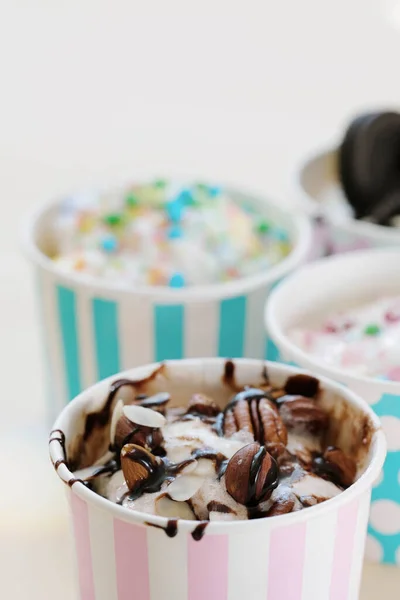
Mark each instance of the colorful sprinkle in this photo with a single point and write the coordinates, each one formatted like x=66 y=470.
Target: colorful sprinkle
x=113 y=219
x=175 y=210
x=132 y=200
x=175 y=232
x=109 y=243
x=263 y=226
x=372 y=329
x=177 y=280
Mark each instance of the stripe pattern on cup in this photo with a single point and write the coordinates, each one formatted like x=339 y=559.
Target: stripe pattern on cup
x=317 y=559
x=90 y=337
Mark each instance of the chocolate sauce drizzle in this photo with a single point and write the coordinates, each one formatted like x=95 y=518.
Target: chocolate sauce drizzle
x=248 y=394
x=215 y=506
x=60 y=439
x=100 y=419
x=158 y=472
x=229 y=373
x=171 y=529
x=59 y=462
x=270 y=483
x=199 y=531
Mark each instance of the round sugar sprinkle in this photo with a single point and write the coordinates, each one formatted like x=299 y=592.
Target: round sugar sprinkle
x=177 y=280
x=164 y=234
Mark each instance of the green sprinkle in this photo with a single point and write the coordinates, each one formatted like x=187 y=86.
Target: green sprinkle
x=113 y=219
x=263 y=226
x=160 y=183
x=132 y=200
x=372 y=329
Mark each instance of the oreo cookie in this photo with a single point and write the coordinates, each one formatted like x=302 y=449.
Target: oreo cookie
x=369 y=166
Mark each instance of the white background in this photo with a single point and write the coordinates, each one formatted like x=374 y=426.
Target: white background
x=91 y=90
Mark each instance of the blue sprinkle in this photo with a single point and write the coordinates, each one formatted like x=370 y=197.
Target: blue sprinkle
x=174 y=210
x=185 y=197
x=177 y=281
x=214 y=190
x=109 y=243
x=280 y=235
x=175 y=232
x=383 y=377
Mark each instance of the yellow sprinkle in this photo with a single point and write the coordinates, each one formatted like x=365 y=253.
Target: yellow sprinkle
x=79 y=264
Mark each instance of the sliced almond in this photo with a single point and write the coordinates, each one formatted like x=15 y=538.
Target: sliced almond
x=144 y=416
x=190 y=468
x=205 y=467
x=165 y=507
x=184 y=487
x=117 y=414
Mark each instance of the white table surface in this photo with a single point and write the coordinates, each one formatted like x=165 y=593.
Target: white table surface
x=95 y=90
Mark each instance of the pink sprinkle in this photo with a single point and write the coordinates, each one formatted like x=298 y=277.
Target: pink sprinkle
x=394 y=374
x=392 y=316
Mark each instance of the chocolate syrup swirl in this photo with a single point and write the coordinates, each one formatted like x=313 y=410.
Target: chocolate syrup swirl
x=270 y=483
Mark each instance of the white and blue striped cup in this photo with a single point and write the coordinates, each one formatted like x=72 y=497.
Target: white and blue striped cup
x=94 y=328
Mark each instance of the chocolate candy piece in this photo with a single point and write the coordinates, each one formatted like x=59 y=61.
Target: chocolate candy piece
x=369 y=166
x=251 y=475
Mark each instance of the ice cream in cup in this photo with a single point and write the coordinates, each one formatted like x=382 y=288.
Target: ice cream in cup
x=219 y=479
x=345 y=324
x=156 y=270
x=353 y=189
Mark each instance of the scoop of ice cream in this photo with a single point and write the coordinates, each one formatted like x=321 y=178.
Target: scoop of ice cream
x=364 y=341
x=163 y=234
x=262 y=456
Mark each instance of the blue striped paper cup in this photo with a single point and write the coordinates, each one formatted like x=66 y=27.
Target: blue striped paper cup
x=93 y=328
x=319 y=288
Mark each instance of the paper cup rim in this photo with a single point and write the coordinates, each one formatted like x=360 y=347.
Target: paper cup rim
x=303 y=358
x=240 y=286
x=372 y=231
x=363 y=484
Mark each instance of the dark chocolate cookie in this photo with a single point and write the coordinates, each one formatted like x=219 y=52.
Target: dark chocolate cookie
x=369 y=166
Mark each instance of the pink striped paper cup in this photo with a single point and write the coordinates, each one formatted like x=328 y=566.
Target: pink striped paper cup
x=314 y=554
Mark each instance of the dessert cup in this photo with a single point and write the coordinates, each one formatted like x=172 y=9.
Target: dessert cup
x=312 y=554
x=93 y=328
x=316 y=185
x=320 y=289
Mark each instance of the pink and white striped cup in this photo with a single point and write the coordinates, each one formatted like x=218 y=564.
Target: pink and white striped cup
x=314 y=554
